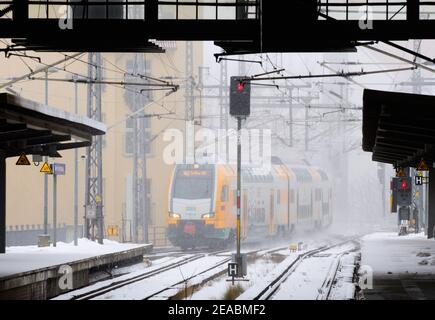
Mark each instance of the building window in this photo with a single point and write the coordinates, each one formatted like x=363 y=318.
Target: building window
x=224 y=194
x=292 y=196
x=129 y=136
x=318 y=195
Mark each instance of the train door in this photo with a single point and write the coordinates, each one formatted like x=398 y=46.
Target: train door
x=312 y=207
x=298 y=213
x=271 y=213
x=245 y=221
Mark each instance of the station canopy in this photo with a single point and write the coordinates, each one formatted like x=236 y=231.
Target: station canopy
x=34 y=128
x=398 y=128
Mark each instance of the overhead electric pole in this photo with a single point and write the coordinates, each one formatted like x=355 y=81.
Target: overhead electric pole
x=94 y=217
x=189 y=132
x=140 y=144
x=223 y=105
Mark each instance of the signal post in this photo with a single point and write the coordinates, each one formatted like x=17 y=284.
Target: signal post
x=240 y=96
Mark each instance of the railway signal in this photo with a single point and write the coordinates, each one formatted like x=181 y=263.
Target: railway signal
x=404 y=191
x=240 y=108
x=240 y=97
x=393 y=187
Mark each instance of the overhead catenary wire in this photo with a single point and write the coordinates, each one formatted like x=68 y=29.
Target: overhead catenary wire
x=339 y=74
x=120 y=82
x=39 y=70
x=391 y=55
x=138 y=111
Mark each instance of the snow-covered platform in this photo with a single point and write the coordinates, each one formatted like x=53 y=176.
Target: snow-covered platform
x=403 y=266
x=30 y=272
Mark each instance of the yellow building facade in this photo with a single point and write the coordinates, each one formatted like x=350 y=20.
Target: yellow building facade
x=25 y=184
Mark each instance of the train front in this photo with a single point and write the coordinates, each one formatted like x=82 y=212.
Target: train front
x=191 y=203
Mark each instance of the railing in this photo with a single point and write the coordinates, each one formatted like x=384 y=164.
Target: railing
x=377 y=9
x=209 y=9
x=132 y=9
x=157 y=236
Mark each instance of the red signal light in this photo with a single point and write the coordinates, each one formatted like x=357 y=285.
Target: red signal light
x=404 y=185
x=240 y=87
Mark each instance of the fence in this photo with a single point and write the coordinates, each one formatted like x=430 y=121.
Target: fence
x=25 y=235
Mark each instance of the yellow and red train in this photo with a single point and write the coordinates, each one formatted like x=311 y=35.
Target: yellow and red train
x=202 y=203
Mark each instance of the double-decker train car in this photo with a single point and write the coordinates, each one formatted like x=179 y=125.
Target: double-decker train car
x=203 y=199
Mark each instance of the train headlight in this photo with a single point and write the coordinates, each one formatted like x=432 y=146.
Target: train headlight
x=208 y=216
x=176 y=215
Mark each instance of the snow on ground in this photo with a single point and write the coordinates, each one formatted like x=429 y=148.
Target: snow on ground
x=215 y=290
x=139 y=270
x=387 y=253
x=306 y=281
x=263 y=270
x=147 y=287
x=27 y=258
x=344 y=288
x=262 y=280
x=146 y=264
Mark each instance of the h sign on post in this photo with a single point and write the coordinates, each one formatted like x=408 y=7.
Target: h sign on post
x=418 y=180
x=240 y=97
x=233 y=269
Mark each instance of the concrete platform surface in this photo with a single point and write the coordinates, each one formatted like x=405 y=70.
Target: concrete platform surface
x=38 y=273
x=403 y=266
x=28 y=258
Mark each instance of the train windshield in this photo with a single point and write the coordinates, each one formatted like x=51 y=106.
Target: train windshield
x=193 y=184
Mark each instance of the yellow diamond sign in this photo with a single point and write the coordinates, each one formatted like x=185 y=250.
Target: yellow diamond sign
x=22 y=160
x=422 y=166
x=46 y=168
x=401 y=173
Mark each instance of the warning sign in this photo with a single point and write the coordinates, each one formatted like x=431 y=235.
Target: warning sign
x=112 y=231
x=422 y=166
x=46 y=168
x=401 y=173
x=22 y=160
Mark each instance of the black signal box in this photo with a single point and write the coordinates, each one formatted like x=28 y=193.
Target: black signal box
x=404 y=191
x=240 y=97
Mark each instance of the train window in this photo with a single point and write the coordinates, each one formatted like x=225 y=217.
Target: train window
x=224 y=193
x=318 y=195
x=292 y=196
x=278 y=196
x=302 y=174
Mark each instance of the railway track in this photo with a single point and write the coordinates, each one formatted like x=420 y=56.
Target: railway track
x=87 y=295
x=194 y=256
x=330 y=280
x=200 y=279
x=272 y=287
x=206 y=271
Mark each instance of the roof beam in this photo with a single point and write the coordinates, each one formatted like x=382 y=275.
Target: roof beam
x=24 y=135
x=392 y=142
x=401 y=136
x=423 y=132
x=73 y=145
x=47 y=140
x=393 y=150
x=382 y=143
x=426 y=124
x=11 y=127
x=397 y=156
